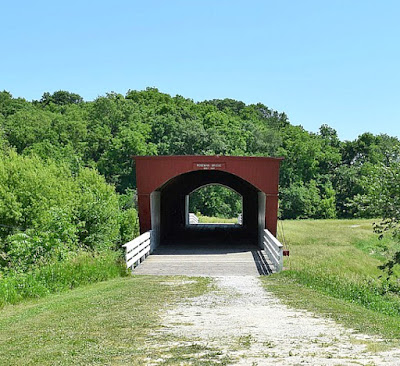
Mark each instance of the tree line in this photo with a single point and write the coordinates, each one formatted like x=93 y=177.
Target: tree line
x=321 y=176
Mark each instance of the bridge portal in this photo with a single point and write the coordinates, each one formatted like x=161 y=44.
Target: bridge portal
x=164 y=184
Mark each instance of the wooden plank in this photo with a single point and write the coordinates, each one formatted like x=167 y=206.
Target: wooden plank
x=274 y=250
x=138 y=249
x=193 y=219
x=137 y=257
x=135 y=242
x=135 y=253
x=272 y=238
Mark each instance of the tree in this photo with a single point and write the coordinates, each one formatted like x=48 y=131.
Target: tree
x=10 y=105
x=382 y=196
x=216 y=200
x=47 y=211
x=60 y=98
x=362 y=158
x=104 y=133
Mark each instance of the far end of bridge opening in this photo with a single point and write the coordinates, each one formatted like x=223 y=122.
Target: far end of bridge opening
x=213 y=206
x=169 y=188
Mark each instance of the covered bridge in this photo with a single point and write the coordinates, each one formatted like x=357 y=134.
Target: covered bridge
x=164 y=184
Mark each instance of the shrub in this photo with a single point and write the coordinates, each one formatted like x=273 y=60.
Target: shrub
x=46 y=211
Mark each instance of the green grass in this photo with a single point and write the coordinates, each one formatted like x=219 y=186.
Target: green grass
x=79 y=269
x=112 y=322
x=332 y=270
x=216 y=220
x=350 y=314
x=333 y=265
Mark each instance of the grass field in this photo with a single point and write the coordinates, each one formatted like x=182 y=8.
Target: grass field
x=100 y=324
x=332 y=269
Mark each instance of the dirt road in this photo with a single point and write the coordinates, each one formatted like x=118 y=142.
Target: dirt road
x=253 y=327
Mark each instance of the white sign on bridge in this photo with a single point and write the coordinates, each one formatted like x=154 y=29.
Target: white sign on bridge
x=209 y=166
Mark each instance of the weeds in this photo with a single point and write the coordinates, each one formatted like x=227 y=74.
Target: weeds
x=78 y=269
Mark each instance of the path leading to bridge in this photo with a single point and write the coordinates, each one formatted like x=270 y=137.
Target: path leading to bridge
x=253 y=327
x=206 y=257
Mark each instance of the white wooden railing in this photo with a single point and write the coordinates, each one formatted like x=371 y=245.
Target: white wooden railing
x=274 y=250
x=137 y=250
x=193 y=219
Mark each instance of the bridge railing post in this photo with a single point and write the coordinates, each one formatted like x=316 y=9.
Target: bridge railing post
x=193 y=219
x=137 y=250
x=274 y=250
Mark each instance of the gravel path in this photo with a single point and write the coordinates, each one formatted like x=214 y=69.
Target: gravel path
x=252 y=327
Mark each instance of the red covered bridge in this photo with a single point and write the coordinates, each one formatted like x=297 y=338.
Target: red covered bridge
x=164 y=184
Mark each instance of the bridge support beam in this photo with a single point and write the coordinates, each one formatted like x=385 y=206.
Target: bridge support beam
x=261 y=217
x=155 y=204
x=144 y=209
x=187 y=200
x=271 y=213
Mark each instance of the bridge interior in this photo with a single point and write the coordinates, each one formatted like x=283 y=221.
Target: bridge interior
x=173 y=213
x=205 y=249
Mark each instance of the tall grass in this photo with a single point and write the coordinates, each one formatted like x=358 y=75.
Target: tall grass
x=340 y=258
x=79 y=269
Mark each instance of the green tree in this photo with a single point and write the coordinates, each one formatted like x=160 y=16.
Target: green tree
x=10 y=105
x=382 y=197
x=216 y=201
x=47 y=211
x=60 y=97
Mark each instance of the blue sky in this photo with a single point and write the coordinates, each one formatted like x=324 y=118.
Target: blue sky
x=334 y=62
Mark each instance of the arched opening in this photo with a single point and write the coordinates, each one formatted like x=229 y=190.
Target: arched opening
x=169 y=208
x=215 y=203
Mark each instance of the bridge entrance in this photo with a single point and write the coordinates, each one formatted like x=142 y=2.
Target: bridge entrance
x=164 y=184
x=174 y=202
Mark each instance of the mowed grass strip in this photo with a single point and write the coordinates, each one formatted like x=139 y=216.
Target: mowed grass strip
x=216 y=220
x=333 y=270
x=100 y=324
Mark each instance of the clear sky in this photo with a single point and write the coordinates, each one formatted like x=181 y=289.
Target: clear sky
x=319 y=61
